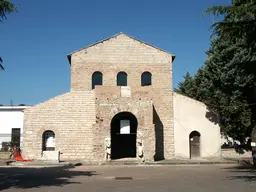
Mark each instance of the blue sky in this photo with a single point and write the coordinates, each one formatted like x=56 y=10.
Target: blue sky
x=36 y=40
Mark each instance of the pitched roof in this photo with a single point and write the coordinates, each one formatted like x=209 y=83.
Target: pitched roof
x=69 y=55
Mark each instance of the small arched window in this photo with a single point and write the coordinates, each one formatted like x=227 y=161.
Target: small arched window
x=121 y=79
x=48 y=141
x=146 y=79
x=97 y=79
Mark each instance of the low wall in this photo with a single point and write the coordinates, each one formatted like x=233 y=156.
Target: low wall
x=5 y=155
x=231 y=153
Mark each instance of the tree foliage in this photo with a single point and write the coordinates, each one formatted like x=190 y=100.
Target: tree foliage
x=185 y=87
x=6 y=8
x=227 y=80
x=240 y=20
x=1 y=66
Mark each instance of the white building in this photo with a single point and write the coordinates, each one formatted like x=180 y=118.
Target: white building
x=11 y=124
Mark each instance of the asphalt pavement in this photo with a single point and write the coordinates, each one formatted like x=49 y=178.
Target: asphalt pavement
x=199 y=178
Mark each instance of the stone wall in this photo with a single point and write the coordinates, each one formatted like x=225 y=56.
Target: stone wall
x=120 y=53
x=108 y=107
x=74 y=116
x=123 y=53
x=70 y=116
x=5 y=155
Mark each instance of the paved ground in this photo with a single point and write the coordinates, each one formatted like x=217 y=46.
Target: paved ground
x=199 y=178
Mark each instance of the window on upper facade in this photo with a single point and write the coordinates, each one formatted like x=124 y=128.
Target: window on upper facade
x=121 y=79
x=146 y=79
x=97 y=79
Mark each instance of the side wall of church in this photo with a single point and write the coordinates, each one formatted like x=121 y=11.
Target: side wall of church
x=191 y=115
x=70 y=116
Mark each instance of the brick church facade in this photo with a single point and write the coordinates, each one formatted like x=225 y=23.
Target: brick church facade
x=121 y=92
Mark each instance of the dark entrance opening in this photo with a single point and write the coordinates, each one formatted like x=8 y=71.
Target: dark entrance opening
x=16 y=137
x=194 y=144
x=123 y=135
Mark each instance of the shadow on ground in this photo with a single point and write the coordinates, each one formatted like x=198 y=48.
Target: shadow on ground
x=26 y=177
x=244 y=172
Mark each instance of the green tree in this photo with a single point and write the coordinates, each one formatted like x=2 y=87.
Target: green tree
x=6 y=8
x=239 y=25
x=226 y=93
x=226 y=82
x=240 y=20
x=185 y=87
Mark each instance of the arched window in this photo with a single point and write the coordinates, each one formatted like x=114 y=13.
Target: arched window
x=146 y=79
x=97 y=79
x=48 y=141
x=121 y=79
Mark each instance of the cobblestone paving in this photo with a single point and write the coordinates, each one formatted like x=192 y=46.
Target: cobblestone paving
x=199 y=178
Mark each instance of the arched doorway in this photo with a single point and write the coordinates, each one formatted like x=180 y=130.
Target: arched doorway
x=48 y=143
x=123 y=135
x=194 y=144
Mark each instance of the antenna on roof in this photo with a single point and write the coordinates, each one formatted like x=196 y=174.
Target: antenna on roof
x=11 y=103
